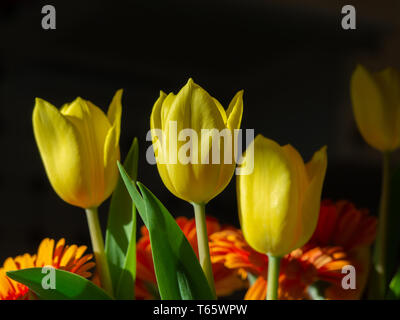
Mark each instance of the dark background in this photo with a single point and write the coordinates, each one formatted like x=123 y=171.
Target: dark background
x=292 y=58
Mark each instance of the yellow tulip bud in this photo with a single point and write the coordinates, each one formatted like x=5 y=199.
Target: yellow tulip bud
x=79 y=146
x=376 y=106
x=279 y=202
x=200 y=176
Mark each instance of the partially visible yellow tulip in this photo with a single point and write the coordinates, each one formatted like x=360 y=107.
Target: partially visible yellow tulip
x=376 y=106
x=279 y=202
x=79 y=146
x=193 y=108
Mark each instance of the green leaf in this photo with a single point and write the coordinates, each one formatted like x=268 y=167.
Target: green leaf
x=134 y=193
x=394 y=287
x=184 y=286
x=120 y=244
x=173 y=256
x=252 y=278
x=68 y=286
x=178 y=272
x=393 y=236
x=317 y=290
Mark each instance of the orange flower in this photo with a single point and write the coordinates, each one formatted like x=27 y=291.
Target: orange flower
x=60 y=256
x=226 y=280
x=342 y=237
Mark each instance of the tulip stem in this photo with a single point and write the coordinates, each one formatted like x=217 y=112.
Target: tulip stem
x=381 y=239
x=202 y=243
x=274 y=264
x=98 y=249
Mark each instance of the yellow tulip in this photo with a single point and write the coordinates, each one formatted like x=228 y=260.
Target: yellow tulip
x=376 y=106
x=193 y=108
x=279 y=202
x=79 y=146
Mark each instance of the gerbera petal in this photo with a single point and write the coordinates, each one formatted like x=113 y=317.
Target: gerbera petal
x=68 y=256
x=45 y=253
x=58 y=251
x=258 y=291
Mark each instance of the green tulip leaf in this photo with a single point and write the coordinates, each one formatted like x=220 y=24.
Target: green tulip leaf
x=67 y=285
x=184 y=286
x=120 y=244
x=316 y=291
x=394 y=287
x=393 y=236
x=178 y=271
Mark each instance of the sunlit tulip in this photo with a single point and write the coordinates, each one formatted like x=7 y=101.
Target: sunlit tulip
x=79 y=146
x=376 y=106
x=279 y=202
x=182 y=152
x=194 y=145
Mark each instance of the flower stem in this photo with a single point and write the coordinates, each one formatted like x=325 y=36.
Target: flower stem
x=274 y=264
x=98 y=249
x=202 y=243
x=381 y=239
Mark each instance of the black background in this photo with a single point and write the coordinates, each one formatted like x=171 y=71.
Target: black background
x=293 y=60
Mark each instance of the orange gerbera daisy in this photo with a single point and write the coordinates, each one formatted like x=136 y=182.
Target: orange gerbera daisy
x=342 y=237
x=60 y=256
x=226 y=280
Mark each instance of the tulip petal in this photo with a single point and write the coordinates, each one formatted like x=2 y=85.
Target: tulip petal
x=114 y=113
x=221 y=110
x=316 y=170
x=297 y=163
x=165 y=109
x=388 y=81
x=160 y=110
x=316 y=167
x=111 y=156
x=300 y=183
x=92 y=127
x=156 y=122
x=91 y=122
x=57 y=140
x=155 y=117
x=194 y=108
x=235 y=111
x=111 y=145
x=264 y=197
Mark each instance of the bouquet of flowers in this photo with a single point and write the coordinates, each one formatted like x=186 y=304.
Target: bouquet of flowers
x=291 y=245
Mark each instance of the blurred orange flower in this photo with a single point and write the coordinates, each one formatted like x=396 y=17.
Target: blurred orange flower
x=61 y=256
x=342 y=237
x=226 y=280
